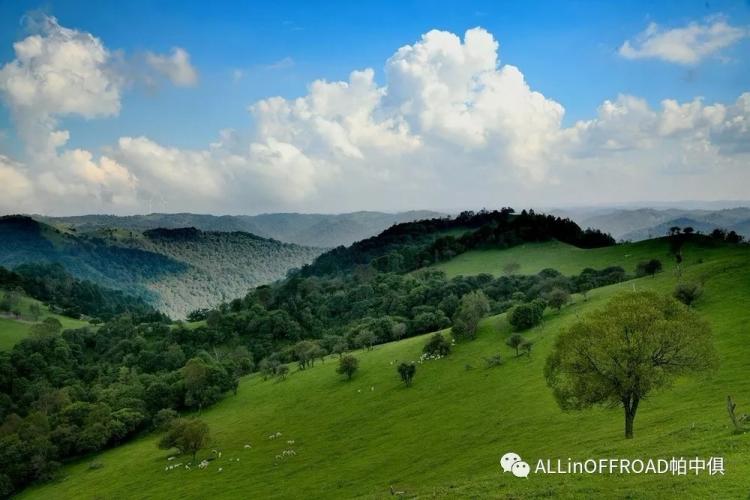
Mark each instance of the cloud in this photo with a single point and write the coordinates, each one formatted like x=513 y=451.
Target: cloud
x=284 y=63
x=176 y=67
x=686 y=45
x=449 y=126
x=57 y=72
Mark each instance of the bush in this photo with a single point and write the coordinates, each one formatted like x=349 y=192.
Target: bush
x=406 y=371
x=471 y=309
x=187 y=435
x=557 y=298
x=648 y=267
x=514 y=342
x=525 y=316
x=493 y=361
x=687 y=293
x=348 y=365
x=437 y=346
x=164 y=418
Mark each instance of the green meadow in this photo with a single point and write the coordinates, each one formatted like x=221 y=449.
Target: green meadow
x=443 y=437
x=12 y=329
x=568 y=259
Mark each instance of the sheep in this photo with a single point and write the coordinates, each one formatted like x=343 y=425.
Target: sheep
x=247 y=446
x=291 y=441
x=279 y=457
x=171 y=458
x=221 y=469
x=397 y=493
x=372 y=388
x=278 y=434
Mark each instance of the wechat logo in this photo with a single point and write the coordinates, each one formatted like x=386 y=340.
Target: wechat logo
x=511 y=462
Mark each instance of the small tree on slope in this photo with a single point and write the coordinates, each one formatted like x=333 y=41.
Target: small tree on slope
x=638 y=343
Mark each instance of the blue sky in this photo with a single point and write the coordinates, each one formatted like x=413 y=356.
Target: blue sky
x=248 y=51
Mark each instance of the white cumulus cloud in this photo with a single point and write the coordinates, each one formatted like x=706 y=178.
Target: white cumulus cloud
x=449 y=125
x=175 y=66
x=685 y=45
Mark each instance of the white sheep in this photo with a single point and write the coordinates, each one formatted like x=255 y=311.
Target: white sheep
x=247 y=446
x=291 y=441
x=171 y=458
x=221 y=469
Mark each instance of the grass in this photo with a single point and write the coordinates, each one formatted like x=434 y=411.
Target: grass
x=12 y=330
x=443 y=437
x=569 y=260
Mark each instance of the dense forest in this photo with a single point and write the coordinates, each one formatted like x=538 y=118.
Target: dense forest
x=173 y=270
x=52 y=285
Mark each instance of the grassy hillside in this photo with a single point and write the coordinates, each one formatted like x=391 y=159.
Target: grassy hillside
x=12 y=329
x=443 y=436
x=533 y=257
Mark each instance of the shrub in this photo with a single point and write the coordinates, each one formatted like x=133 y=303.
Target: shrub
x=471 y=309
x=648 y=267
x=514 y=342
x=493 y=361
x=406 y=371
x=437 y=346
x=187 y=435
x=525 y=316
x=164 y=418
x=348 y=365
x=557 y=298
x=687 y=293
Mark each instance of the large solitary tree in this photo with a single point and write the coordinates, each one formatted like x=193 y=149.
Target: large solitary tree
x=618 y=355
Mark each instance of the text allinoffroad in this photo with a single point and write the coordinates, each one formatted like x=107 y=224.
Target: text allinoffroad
x=676 y=466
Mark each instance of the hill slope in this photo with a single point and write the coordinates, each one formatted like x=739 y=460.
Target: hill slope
x=317 y=230
x=175 y=270
x=443 y=437
x=14 y=328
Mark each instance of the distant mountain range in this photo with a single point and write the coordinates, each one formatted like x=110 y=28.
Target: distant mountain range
x=176 y=270
x=645 y=223
x=313 y=230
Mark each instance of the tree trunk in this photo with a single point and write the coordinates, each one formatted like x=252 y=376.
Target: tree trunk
x=630 y=405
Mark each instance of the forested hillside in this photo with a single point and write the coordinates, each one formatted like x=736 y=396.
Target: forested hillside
x=175 y=270
x=317 y=230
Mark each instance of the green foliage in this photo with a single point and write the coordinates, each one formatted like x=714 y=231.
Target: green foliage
x=348 y=366
x=438 y=345
x=687 y=293
x=407 y=371
x=514 y=342
x=472 y=308
x=557 y=297
x=618 y=355
x=525 y=316
x=648 y=267
x=189 y=436
x=50 y=327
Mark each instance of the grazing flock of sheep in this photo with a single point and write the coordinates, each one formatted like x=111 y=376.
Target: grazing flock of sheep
x=217 y=454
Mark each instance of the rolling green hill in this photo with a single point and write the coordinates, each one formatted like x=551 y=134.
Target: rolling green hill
x=13 y=329
x=176 y=270
x=533 y=257
x=443 y=436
